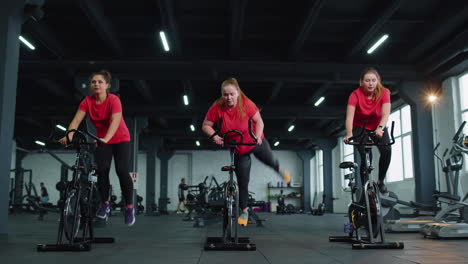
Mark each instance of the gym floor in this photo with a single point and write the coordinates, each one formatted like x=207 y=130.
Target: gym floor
x=168 y=239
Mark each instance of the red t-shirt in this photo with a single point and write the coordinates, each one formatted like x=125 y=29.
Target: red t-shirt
x=367 y=109
x=100 y=115
x=232 y=121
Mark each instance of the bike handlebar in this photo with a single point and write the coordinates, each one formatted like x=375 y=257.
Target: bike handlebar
x=455 y=138
x=233 y=143
x=83 y=133
x=367 y=140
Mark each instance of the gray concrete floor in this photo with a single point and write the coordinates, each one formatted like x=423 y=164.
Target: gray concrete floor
x=168 y=239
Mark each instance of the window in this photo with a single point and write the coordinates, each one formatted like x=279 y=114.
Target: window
x=319 y=160
x=347 y=155
x=401 y=166
x=463 y=92
x=463 y=103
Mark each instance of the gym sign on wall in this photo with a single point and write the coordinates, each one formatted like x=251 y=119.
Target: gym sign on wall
x=134 y=176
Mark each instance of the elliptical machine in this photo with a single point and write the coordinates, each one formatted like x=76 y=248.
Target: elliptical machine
x=365 y=228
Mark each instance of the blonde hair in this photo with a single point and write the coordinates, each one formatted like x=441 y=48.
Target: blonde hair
x=240 y=100
x=380 y=88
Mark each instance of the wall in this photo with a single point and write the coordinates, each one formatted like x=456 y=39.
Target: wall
x=341 y=197
x=446 y=119
x=46 y=169
x=196 y=165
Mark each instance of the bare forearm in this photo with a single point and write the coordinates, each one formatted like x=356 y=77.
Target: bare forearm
x=112 y=128
x=349 y=126
x=385 y=114
x=259 y=129
x=208 y=130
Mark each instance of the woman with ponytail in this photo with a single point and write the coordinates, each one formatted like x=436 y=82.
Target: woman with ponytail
x=236 y=109
x=371 y=103
x=105 y=112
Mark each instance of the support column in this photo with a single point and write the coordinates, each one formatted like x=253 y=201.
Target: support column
x=306 y=156
x=11 y=16
x=327 y=146
x=135 y=126
x=421 y=121
x=164 y=156
x=152 y=146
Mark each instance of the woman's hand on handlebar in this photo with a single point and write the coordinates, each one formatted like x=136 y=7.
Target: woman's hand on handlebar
x=347 y=137
x=103 y=140
x=63 y=141
x=379 y=132
x=218 y=140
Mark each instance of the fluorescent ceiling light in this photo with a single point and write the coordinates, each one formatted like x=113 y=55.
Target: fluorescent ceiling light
x=27 y=43
x=377 y=44
x=291 y=128
x=61 y=127
x=164 y=40
x=192 y=127
x=276 y=143
x=319 y=101
x=185 y=99
x=39 y=143
x=197 y=143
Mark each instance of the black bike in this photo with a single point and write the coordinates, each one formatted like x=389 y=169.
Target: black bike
x=365 y=209
x=78 y=207
x=230 y=239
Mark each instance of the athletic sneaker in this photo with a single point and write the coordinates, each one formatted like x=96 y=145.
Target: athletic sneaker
x=129 y=216
x=103 y=211
x=243 y=218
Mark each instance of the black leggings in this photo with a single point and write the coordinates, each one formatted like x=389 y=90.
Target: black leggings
x=121 y=152
x=243 y=162
x=385 y=155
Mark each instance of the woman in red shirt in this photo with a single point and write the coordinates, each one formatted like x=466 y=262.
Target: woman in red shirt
x=371 y=103
x=105 y=112
x=237 y=109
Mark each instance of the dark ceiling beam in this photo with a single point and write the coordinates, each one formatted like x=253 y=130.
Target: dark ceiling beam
x=94 y=11
x=304 y=33
x=169 y=24
x=438 y=31
x=238 y=8
x=32 y=121
x=319 y=92
x=40 y=31
x=335 y=126
x=210 y=146
x=144 y=89
x=452 y=54
x=274 y=92
x=58 y=90
x=279 y=134
x=175 y=112
x=374 y=27
x=219 y=70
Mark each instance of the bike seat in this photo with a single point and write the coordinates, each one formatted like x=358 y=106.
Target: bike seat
x=348 y=165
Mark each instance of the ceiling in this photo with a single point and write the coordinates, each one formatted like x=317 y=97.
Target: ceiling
x=285 y=56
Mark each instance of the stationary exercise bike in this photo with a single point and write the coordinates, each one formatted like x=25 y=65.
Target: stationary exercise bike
x=365 y=228
x=77 y=211
x=230 y=240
